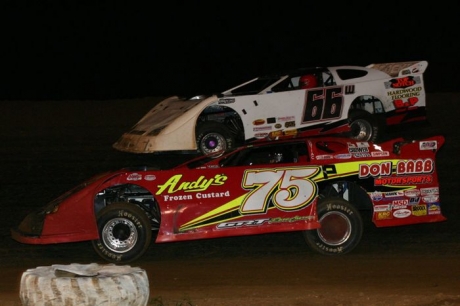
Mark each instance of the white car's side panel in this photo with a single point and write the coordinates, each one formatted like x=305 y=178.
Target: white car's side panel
x=256 y=110
x=276 y=105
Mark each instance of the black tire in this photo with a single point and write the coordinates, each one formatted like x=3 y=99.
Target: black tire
x=214 y=139
x=364 y=126
x=125 y=233
x=341 y=227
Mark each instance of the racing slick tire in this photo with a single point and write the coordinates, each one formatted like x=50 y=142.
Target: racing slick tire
x=125 y=233
x=341 y=227
x=213 y=139
x=364 y=126
x=78 y=284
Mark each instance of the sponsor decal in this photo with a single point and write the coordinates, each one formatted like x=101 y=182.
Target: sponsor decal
x=381 y=215
x=325 y=156
x=271 y=120
x=289 y=124
x=278 y=125
x=358 y=150
x=398 y=206
x=402 y=167
x=260 y=135
x=405 y=180
x=402 y=213
x=394 y=194
x=226 y=101
x=431 y=198
x=150 y=177
x=404 y=93
x=414 y=200
x=376 y=169
x=276 y=134
x=419 y=210
x=428 y=145
x=290 y=132
x=258 y=122
x=399 y=103
x=412 y=193
x=415 y=166
x=385 y=207
x=428 y=191
x=280 y=133
x=360 y=155
x=198 y=195
x=376 y=196
x=257 y=222
x=380 y=153
x=400 y=202
x=343 y=156
x=358 y=144
x=434 y=209
x=262 y=128
x=404 y=82
x=286 y=118
x=234 y=224
x=292 y=219
x=134 y=177
x=362 y=144
x=175 y=184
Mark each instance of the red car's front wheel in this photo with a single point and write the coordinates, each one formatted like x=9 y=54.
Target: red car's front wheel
x=125 y=233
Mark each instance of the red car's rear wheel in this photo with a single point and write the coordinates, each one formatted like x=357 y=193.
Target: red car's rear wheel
x=341 y=227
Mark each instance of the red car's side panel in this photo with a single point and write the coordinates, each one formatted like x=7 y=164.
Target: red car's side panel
x=233 y=201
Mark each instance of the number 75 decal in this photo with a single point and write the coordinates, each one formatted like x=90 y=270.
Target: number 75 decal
x=288 y=189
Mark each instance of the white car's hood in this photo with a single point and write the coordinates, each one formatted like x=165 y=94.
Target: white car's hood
x=159 y=129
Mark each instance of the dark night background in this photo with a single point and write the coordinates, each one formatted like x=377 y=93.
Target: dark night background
x=56 y=50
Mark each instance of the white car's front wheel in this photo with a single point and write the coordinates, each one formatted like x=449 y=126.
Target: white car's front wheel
x=214 y=139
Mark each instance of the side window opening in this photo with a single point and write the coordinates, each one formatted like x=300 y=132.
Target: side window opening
x=331 y=146
x=347 y=74
x=328 y=79
x=270 y=154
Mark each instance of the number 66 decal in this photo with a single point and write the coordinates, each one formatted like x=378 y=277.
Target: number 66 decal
x=289 y=188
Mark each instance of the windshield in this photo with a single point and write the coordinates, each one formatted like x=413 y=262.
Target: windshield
x=253 y=87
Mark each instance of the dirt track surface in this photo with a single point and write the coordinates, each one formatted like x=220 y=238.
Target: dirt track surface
x=48 y=147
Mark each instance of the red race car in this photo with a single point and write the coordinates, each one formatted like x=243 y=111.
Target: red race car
x=322 y=186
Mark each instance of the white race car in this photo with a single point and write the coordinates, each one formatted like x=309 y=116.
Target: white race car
x=353 y=101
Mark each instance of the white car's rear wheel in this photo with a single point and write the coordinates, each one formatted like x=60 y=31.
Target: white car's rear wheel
x=364 y=127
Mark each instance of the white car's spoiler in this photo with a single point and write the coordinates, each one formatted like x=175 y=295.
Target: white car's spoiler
x=401 y=68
